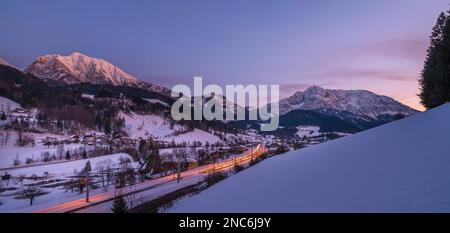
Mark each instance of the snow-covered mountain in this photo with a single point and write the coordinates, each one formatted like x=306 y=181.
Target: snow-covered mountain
x=357 y=102
x=398 y=167
x=228 y=106
x=3 y=62
x=79 y=68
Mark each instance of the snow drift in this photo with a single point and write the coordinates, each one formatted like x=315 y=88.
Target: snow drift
x=403 y=166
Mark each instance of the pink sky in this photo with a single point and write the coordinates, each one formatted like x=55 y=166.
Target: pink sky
x=347 y=44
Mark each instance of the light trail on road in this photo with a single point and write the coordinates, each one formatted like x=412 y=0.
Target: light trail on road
x=96 y=199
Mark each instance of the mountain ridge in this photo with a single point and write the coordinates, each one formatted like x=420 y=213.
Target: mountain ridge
x=362 y=108
x=358 y=102
x=79 y=68
x=3 y=62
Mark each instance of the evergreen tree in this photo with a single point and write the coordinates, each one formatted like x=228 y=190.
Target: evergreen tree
x=87 y=167
x=119 y=205
x=435 y=76
x=107 y=128
x=149 y=156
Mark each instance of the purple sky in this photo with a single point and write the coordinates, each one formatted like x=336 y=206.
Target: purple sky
x=346 y=44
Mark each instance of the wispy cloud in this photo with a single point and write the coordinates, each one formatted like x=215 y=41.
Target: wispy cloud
x=364 y=74
x=411 y=47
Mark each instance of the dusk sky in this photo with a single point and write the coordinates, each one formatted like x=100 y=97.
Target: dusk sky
x=347 y=44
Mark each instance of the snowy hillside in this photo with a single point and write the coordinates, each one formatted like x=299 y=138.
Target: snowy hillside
x=7 y=107
x=308 y=131
x=358 y=102
x=144 y=126
x=3 y=62
x=67 y=168
x=77 y=68
x=402 y=166
x=9 y=151
x=7 y=104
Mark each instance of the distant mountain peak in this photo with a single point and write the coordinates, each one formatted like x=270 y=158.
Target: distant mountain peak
x=358 y=102
x=315 y=90
x=3 y=62
x=80 y=68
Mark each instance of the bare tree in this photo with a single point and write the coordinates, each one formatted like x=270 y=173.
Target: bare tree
x=193 y=152
x=83 y=178
x=81 y=183
x=166 y=163
x=181 y=156
x=149 y=158
x=6 y=177
x=16 y=161
x=131 y=198
x=109 y=175
x=124 y=175
x=30 y=192
x=60 y=151
x=86 y=178
x=104 y=168
x=71 y=185
x=19 y=136
x=21 y=178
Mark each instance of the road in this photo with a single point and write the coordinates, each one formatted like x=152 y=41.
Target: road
x=157 y=186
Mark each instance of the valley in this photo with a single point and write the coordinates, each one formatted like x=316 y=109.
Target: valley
x=78 y=133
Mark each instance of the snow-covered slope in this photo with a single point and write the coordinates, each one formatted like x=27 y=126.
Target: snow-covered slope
x=77 y=68
x=3 y=62
x=7 y=104
x=195 y=135
x=9 y=151
x=403 y=166
x=143 y=126
x=67 y=168
x=157 y=127
x=358 y=102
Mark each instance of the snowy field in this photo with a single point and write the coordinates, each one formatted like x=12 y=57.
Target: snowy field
x=143 y=126
x=88 y=96
x=157 y=101
x=9 y=151
x=55 y=195
x=196 y=135
x=66 y=168
x=6 y=103
x=11 y=205
x=403 y=166
x=308 y=131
